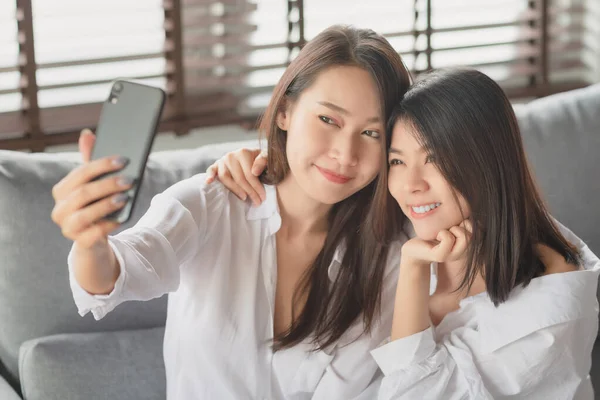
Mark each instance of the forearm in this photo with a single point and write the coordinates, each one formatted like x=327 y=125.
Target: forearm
x=411 y=308
x=96 y=269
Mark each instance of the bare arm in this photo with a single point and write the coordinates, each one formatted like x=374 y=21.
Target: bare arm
x=411 y=311
x=96 y=268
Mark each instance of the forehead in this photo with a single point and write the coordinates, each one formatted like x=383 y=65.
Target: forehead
x=349 y=87
x=404 y=137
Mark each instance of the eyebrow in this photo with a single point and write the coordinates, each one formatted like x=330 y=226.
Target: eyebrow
x=343 y=111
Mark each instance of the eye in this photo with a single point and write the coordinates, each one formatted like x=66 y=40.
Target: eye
x=327 y=120
x=430 y=159
x=396 y=161
x=373 y=134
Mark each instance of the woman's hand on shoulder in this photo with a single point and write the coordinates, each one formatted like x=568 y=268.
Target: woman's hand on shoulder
x=238 y=171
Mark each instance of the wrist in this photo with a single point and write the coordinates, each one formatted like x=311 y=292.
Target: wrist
x=415 y=275
x=409 y=263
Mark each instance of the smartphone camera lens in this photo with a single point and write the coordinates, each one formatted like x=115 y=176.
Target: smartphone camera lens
x=118 y=88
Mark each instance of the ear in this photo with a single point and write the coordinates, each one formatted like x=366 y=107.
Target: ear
x=283 y=116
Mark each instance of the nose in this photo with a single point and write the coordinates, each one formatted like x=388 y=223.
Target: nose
x=414 y=180
x=344 y=150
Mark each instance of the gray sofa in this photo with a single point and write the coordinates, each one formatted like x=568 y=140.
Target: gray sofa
x=47 y=351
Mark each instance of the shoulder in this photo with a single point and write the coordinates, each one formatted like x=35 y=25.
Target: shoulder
x=548 y=301
x=198 y=197
x=553 y=261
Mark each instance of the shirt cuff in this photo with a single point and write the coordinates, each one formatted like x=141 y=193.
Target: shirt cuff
x=98 y=304
x=402 y=353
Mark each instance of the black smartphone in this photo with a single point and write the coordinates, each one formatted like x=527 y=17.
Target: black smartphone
x=127 y=126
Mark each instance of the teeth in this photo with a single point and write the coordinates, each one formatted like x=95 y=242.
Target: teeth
x=426 y=208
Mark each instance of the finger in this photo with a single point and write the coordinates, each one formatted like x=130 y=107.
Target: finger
x=238 y=175
x=444 y=247
x=246 y=164
x=89 y=193
x=227 y=181
x=83 y=219
x=468 y=225
x=86 y=144
x=460 y=244
x=211 y=173
x=86 y=173
x=260 y=164
x=96 y=232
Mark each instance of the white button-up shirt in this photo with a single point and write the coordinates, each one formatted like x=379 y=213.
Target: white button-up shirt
x=536 y=345
x=216 y=257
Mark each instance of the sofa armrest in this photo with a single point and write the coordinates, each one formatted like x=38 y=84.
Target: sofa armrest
x=6 y=391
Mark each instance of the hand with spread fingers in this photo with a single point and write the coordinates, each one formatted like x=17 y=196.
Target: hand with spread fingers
x=238 y=171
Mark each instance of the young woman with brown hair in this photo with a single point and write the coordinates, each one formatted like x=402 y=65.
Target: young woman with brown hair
x=265 y=302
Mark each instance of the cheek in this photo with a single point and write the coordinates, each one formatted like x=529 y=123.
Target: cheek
x=306 y=139
x=371 y=158
x=464 y=206
x=394 y=185
x=458 y=210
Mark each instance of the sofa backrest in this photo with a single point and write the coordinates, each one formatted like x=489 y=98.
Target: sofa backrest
x=561 y=134
x=35 y=298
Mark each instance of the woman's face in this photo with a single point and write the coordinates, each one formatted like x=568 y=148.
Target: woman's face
x=334 y=130
x=420 y=189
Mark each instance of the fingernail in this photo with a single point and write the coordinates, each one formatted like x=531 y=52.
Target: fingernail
x=120 y=198
x=86 y=132
x=120 y=161
x=125 y=181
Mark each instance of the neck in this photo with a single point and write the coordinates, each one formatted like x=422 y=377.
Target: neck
x=300 y=215
x=451 y=274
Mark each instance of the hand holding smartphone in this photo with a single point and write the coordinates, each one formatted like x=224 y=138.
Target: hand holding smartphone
x=126 y=128
x=97 y=196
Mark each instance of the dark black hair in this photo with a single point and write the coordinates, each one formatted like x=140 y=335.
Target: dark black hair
x=466 y=121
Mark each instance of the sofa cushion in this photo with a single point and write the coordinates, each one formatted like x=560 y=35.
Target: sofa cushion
x=7 y=392
x=561 y=134
x=105 y=365
x=35 y=298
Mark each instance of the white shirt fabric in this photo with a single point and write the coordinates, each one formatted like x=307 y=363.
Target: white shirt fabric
x=216 y=257
x=536 y=345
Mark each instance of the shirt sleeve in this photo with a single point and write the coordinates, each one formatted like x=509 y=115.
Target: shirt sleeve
x=543 y=364
x=152 y=253
x=352 y=373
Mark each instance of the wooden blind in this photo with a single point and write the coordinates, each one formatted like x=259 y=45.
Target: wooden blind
x=532 y=48
x=218 y=60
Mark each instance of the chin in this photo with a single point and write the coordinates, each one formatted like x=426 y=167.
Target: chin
x=328 y=193
x=426 y=233
x=327 y=198
x=429 y=236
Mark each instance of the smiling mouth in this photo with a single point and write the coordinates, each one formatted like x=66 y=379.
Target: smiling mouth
x=332 y=176
x=424 y=210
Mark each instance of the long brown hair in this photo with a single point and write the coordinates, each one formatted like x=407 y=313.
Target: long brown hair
x=331 y=308
x=465 y=120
